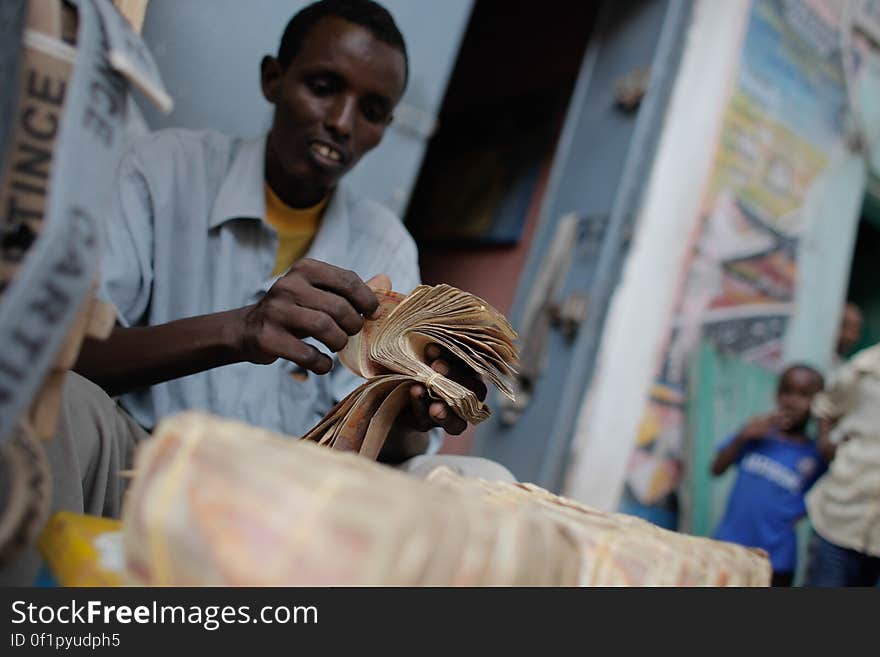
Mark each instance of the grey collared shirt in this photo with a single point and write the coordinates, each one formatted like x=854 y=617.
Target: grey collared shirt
x=188 y=237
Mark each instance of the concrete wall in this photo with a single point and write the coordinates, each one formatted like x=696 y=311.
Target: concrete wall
x=637 y=324
x=744 y=240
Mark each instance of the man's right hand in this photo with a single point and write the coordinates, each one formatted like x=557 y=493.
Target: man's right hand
x=313 y=299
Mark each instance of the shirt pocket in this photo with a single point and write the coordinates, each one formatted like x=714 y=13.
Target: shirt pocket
x=300 y=399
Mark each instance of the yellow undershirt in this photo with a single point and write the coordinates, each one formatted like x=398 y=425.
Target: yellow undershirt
x=296 y=228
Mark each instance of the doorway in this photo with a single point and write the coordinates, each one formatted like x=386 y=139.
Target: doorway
x=863 y=289
x=475 y=202
x=477 y=199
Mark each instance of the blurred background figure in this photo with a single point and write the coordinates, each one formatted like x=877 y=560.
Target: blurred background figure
x=844 y=506
x=777 y=463
x=851 y=322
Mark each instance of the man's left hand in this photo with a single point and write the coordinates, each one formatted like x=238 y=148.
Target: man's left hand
x=424 y=412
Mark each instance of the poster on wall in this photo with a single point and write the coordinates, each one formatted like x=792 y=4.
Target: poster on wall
x=740 y=282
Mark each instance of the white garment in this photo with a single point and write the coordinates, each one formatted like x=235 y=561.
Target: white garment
x=844 y=506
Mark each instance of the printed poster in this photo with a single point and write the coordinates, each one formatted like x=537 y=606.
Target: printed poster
x=741 y=280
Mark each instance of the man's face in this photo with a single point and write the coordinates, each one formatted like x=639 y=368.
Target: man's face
x=332 y=104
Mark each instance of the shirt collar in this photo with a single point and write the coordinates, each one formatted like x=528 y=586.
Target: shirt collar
x=332 y=241
x=241 y=194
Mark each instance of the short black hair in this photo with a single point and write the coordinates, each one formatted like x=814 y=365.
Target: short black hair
x=365 y=13
x=804 y=367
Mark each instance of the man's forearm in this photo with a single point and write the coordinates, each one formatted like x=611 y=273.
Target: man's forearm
x=134 y=358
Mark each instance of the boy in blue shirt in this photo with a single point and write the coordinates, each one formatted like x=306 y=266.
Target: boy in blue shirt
x=777 y=462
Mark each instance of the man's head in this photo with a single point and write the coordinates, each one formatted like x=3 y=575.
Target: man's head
x=798 y=384
x=341 y=69
x=850 y=329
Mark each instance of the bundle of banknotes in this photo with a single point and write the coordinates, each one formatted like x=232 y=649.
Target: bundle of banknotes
x=219 y=502
x=389 y=353
x=622 y=550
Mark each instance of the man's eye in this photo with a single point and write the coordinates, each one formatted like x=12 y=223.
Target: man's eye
x=374 y=112
x=320 y=86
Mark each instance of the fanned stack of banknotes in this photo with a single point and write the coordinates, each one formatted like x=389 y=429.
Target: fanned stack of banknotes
x=389 y=353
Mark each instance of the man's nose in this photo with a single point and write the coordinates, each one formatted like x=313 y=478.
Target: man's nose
x=340 y=118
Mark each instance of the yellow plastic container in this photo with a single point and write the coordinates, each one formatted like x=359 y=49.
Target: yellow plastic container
x=82 y=550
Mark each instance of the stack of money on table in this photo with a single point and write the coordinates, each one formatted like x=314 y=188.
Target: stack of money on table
x=218 y=502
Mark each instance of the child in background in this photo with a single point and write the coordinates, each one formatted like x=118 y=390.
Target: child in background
x=778 y=462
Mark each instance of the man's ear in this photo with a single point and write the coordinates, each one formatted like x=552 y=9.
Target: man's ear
x=270 y=78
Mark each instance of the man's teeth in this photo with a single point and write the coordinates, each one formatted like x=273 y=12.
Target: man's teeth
x=329 y=153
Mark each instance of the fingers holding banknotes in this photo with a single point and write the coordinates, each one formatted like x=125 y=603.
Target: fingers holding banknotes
x=312 y=300
x=425 y=412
